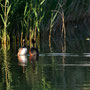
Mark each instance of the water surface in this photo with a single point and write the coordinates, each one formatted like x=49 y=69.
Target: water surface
x=53 y=71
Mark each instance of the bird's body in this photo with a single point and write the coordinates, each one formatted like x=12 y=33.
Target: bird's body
x=23 y=49
x=33 y=52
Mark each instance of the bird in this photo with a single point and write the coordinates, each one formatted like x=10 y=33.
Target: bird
x=23 y=49
x=33 y=52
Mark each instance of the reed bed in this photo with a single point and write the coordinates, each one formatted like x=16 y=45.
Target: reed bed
x=24 y=19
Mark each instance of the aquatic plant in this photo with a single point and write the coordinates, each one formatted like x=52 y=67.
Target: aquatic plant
x=59 y=12
x=28 y=16
x=76 y=10
x=4 y=16
x=31 y=20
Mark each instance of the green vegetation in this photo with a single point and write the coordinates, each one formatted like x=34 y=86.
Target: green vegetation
x=27 y=18
x=4 y=16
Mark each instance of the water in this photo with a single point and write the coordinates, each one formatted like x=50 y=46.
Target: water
x=53 y=71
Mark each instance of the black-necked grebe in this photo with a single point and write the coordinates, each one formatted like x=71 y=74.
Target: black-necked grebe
x=33 y=52
x=23 y=49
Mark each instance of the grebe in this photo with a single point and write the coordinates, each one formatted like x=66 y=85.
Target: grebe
x=33 y=52
x=23 y=49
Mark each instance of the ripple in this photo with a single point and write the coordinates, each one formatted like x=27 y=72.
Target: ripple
x=59 y=54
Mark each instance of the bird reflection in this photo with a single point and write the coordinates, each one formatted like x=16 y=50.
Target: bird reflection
x=33 y=60
x=22 y=61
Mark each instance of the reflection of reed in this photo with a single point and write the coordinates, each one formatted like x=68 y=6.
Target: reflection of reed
x=6 y=70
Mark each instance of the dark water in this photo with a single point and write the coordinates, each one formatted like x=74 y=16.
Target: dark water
x=53 y=71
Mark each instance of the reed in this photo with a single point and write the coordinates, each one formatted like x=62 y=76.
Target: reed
x=51 y=27
x=76 y=10
x=31 y=20
x=4 y=16
x=27 y=15
x=54 y=19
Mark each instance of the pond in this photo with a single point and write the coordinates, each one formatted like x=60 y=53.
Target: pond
x=52 y=71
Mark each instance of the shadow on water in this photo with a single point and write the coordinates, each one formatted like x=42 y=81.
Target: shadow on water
x=56 y=69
